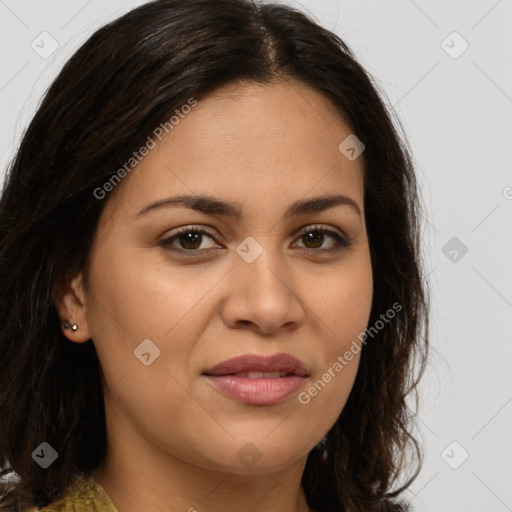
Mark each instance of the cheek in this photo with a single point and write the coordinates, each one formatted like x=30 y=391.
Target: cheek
x=140 y=294
x=343 y=303
x=142 y=298
x=342 y=310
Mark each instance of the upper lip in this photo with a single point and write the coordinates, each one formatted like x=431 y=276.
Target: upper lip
x=257 y=363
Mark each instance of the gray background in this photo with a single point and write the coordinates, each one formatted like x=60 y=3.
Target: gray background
x=457 y=113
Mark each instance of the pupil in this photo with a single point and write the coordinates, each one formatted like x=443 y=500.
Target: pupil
x=190 y=238
x=315 y=238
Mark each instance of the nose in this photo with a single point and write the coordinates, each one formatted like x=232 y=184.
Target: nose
x=264 y=295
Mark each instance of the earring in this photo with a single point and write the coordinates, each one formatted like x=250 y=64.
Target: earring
x=74 y=327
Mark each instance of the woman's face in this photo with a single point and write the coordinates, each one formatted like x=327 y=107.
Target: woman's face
x=266 y=282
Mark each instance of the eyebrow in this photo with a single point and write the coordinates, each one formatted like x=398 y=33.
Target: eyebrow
x=213 y=206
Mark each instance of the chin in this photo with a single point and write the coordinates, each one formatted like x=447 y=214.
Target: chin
x=260 y=457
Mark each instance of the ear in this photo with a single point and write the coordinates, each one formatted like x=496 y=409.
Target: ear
x=70 y=302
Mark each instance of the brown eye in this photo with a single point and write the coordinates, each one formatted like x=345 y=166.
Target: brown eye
x=314 y=238
x=188 y=240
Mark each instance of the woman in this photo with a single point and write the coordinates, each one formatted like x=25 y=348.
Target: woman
x=211 y=288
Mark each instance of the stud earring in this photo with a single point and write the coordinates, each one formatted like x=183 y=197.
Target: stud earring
x=74 y=327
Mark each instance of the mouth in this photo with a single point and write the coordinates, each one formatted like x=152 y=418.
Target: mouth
x=258 y=380
x=259 y=375
x=257 y=367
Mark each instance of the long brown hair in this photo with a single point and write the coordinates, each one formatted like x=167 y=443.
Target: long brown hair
x=128 y=78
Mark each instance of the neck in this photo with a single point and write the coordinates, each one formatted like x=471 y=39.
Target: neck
x=142 y=483
x=138 y=475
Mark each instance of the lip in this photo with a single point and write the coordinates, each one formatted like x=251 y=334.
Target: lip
x=255 y=363
x=258 y=390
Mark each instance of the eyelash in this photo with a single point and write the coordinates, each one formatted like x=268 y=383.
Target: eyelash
x=342 y=243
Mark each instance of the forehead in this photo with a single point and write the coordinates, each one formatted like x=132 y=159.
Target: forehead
x=249 y=143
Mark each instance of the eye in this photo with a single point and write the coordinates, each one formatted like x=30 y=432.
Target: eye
x=190 y=239
x=315 y=235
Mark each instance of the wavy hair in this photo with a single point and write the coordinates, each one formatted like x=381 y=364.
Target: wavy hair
x=125 y=80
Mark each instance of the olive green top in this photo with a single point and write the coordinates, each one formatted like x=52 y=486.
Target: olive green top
x=83 y=495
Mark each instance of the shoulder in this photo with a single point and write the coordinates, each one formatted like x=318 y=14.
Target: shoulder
x=83 y=495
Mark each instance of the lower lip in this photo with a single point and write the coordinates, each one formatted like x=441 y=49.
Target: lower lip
x=257 y=391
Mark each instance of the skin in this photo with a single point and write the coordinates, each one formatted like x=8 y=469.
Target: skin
x=172 y=437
